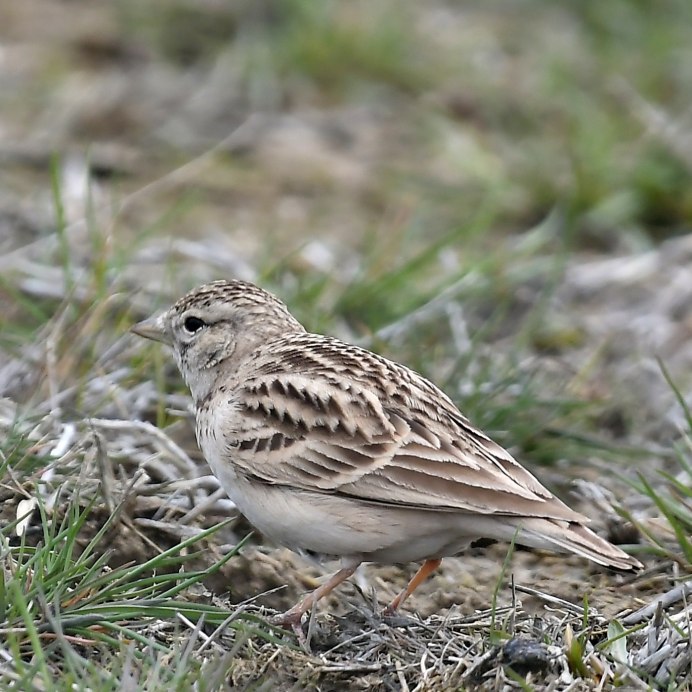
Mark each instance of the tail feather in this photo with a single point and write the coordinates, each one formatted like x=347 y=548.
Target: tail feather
x=574 y=538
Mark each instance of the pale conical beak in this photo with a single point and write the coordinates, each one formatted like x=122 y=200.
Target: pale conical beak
x=153 y=328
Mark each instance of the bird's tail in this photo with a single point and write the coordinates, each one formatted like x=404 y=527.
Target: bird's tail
x=573 y=537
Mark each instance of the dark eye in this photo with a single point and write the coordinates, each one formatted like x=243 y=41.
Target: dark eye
x=193 y=324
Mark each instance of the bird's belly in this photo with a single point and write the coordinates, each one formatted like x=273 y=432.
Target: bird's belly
x=334 y=525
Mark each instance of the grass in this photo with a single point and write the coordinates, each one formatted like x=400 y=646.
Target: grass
x=62 y=607
x=463 y=164
x=671 y=491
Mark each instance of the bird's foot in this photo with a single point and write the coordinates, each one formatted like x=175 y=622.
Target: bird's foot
x=292 y=620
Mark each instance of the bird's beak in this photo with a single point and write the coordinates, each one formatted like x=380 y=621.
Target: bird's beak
x=153 y=328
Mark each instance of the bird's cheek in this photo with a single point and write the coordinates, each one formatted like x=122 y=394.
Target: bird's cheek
x=181 y=357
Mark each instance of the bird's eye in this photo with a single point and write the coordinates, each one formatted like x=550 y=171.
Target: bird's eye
x=193 y=324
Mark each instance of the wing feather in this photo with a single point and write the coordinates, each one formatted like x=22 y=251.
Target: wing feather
x=352 y=423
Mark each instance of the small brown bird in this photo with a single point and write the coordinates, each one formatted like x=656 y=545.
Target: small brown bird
x=330 y=448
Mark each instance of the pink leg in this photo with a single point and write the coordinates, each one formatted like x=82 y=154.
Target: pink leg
x=292 y=618
x=426 y=569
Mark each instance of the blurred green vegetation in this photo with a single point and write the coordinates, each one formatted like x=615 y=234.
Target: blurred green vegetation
x=580 y=105
x=454 y=149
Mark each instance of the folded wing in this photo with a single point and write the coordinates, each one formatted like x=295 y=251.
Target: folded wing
x=356 y=424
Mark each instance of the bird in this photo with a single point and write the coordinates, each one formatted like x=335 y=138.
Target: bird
x=329 y=448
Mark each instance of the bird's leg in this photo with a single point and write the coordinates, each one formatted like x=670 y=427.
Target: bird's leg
x=426 y=569
x=292 y=618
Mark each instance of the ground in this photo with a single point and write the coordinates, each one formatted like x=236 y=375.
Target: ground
x=498 y=195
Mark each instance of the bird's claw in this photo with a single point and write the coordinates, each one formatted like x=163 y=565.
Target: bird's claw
x=291 y=621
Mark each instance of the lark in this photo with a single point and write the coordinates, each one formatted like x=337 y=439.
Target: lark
x=329 y=448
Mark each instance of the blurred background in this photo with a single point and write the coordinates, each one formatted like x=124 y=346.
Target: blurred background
x=497 y=194
x=436 y=178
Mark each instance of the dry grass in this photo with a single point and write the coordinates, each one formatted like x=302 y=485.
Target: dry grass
x=497 y=198
x=140 y=503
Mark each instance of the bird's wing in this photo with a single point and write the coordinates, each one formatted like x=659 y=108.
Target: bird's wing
x=358 y=425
